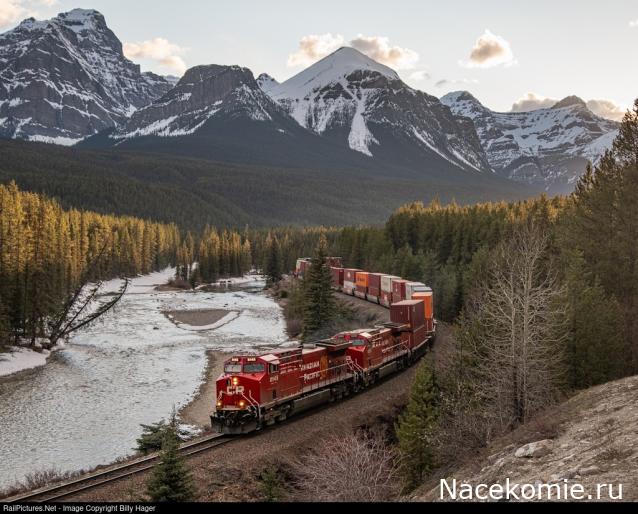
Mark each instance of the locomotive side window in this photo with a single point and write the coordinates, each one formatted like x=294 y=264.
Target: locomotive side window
x=232 y=368
x=273 y=368
x=358 y=342
x=255 y=367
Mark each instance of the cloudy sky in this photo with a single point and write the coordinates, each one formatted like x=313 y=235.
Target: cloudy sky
x=510 y=55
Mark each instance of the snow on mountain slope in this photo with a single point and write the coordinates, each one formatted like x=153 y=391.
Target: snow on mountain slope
x=203 y=93
x=352 y=98
x=266 y=82
x=66 y=78
x=547 y=146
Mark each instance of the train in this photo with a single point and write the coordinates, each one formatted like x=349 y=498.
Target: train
x=256 y=391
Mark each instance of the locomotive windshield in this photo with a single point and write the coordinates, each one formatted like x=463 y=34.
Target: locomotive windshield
x=254 y=367
x=232 y=368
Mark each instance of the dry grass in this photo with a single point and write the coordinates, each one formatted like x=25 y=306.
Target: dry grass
x=359 y=467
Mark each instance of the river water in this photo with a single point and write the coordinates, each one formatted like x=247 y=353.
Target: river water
x=85 y=406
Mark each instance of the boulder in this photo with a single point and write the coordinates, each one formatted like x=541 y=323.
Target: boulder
x=535 y=449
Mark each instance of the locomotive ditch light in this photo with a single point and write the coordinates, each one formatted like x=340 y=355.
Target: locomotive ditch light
x=219 y=403
x=242 y=404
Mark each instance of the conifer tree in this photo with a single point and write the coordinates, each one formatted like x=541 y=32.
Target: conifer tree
x=273 y=263
x=604 y=227
x=170 y=481
x=416 y=426
x=319 y=303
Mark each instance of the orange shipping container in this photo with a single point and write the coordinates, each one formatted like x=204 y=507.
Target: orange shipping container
x=428 y=301
x=363 y=277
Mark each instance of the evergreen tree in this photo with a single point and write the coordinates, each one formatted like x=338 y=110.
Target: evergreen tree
x=153 y=435
x=416 y=426
x=170 y=481
x=273 y=263
x=595 y=351
x=603 y=225
x=319 y=303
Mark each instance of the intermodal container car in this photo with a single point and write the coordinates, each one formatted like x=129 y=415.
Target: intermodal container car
x=337 y=278
x=398 y=290
x=361 y=282
x=408 y=312
x=350 y=280
x=415 y=287
x=386 y=289
x=374 y=287
x=428 y=300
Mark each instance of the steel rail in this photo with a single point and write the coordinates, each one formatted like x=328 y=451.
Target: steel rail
x=113 y=474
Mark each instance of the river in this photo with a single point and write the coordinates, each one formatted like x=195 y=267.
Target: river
x=85 y=406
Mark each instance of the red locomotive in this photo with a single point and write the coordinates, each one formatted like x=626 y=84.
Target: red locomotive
x=257 y=391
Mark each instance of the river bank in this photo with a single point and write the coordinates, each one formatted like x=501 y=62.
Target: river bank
x=197 y=412
x=85 y=407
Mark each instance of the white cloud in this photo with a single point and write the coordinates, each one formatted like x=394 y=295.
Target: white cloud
x=633 y=23
x=606 y=109
x=159 y=50
x=490 y=50
x=13 y=11
x=419 y=75
x=601 y=107
x=531 y=102
x=453 y=82
x=316 y=46
x=379 y=49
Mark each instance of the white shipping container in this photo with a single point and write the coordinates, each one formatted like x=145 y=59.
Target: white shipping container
x=348 y=287
x=386 y=283
x=415 y=287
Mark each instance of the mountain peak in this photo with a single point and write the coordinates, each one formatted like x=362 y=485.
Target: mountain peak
x=332 y=69
x=266 y=82
x=77 y=20
x=568 y=101
x=459 y=96
x=347 y=59
x=67 y=77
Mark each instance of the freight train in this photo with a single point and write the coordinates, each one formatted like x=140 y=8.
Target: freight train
x=258 y=391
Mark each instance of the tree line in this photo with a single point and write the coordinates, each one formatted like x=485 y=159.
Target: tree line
x=46 y=251
x=551 y=307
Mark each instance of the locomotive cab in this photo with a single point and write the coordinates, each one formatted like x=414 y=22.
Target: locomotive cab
x=239 y=392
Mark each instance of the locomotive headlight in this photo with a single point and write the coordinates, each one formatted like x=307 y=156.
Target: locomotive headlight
x=235 y=381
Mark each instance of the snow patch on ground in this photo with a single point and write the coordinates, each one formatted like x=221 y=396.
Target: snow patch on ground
x=21 y=359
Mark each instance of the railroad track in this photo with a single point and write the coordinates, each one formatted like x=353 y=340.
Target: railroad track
x=113 y=474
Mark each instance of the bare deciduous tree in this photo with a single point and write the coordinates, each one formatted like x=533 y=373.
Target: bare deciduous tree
x=513 y=334
x=357 y=467
x=519 y=355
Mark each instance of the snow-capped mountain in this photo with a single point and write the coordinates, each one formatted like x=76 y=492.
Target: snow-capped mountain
x=363 y=104
x=204 y=92
x=66 y=78
x=546 y=146
x=266 y=82
x=220 y=113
